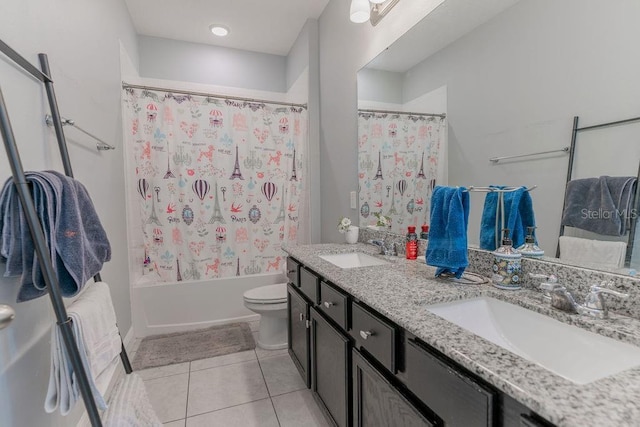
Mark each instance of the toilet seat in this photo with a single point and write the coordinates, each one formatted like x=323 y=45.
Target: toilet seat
x=271 y=294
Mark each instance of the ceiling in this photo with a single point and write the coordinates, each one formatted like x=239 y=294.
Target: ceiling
x=267 y=26
x=451 y=20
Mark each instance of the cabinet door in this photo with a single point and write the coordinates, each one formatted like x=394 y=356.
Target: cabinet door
x=330 y=363
x=376 y=403
x=298 y=332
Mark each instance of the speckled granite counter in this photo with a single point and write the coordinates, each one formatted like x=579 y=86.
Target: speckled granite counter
x=401 y=291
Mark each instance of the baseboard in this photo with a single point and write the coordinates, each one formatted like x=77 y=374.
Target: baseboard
x=184 y=327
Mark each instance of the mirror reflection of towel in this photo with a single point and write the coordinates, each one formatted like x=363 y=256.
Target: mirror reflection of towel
x=602 y=205
x=604 y=254
x=518 y=215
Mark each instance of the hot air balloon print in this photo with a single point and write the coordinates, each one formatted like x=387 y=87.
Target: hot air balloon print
x=221 y=234
x=269 y=189
x=143 y=188
x=201 y=188
x=157 y=236
x=152 y=112
x=402 y=186
x=283 y=125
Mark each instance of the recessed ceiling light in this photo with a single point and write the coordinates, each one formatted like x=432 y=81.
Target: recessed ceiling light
x=219 y=30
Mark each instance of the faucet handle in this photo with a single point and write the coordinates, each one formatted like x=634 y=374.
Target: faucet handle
x=594 y=304
x=597 y=290
x=551 y=286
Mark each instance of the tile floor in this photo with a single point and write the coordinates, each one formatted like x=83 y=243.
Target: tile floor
x=251 y=388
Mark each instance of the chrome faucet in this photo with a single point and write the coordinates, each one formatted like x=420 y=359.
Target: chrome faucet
x=385 y=248
x=594 y=305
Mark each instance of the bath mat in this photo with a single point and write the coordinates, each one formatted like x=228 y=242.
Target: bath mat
x=161 y=350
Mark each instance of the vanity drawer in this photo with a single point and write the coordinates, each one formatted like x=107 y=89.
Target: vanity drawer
x=375 y=335
x=310 y=284
x=293 y=271
x=334 y=304
x=456 y=398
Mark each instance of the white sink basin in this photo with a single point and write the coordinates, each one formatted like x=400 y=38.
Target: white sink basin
x=571 y=352
x=353 y=260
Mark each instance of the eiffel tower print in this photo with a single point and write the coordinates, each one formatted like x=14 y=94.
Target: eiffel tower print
x=421 y=173
x=393 y=210
x=178 y=275
x=217 y=213
x=379 y=172
x=294 y=177
x=153 y=218
x=236 y=169
x=281 y=214
x=238 y=267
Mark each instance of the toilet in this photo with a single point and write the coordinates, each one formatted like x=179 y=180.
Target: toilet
x=270 y=302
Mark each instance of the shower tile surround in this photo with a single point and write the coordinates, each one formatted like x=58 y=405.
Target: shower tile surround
x=401 y=293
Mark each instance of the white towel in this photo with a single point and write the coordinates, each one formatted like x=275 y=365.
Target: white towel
x=98 y=340
x=601 y=253
x=129 y=405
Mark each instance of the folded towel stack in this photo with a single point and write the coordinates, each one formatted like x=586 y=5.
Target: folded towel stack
x=129 y=405
x=597 y=252
x=77 y=242
x=601 y=205
x=99 y=345
x=447 y=249
x=518 y=215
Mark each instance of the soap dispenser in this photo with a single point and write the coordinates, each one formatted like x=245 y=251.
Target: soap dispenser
x=530 y=249
x=506 y=264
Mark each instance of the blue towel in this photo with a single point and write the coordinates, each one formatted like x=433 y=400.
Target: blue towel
x=78 y=245
x=518 y=215
x=447 y=249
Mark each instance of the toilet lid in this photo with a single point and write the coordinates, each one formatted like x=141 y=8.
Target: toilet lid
x=271 y=293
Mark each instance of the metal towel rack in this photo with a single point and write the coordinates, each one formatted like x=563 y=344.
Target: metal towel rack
x=42 y=251
x=100 y=145
x=497 y=159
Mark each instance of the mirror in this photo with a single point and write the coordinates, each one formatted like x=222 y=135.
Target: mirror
x=510 y=79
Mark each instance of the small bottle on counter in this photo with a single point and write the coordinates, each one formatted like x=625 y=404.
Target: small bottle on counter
x=411 y=249
x=425 y=232
x=506 y=264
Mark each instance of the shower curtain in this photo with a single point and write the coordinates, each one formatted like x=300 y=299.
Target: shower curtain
x=401 y=158
x=219 y=183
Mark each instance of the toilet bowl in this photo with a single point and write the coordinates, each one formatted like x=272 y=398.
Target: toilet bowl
x=270 y=302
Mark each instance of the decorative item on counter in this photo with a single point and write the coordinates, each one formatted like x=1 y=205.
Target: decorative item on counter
x=424 y=234
x=350 y=232
x=506 y=264
x=530 y=248
x=383 y=222
x=411 y=250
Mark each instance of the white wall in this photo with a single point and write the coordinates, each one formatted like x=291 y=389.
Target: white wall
x=514 y=85
x=199 y=63
x=82 y=42
x=346 y=47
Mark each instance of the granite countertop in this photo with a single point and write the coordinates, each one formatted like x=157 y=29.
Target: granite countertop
x=401 y=293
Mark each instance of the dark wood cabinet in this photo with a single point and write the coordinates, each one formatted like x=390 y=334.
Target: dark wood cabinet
x=377 y=403
x=374 y=334
x=330 y=368
x=298 y=332
x=310 y=285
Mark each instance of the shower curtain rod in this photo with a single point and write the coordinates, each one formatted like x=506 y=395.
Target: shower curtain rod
x=408 y=113
x=210 y=95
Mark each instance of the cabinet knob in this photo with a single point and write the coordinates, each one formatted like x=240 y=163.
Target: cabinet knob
x=301 y=317
x=329 y=304
x=365 y=334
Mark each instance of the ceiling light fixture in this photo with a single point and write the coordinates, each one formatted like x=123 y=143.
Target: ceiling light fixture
x=219 y=30
x=370 y=10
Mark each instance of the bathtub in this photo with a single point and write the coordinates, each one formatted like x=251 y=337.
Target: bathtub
x=160 y=308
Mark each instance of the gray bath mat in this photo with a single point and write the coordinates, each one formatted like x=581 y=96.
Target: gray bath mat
x=161 y=350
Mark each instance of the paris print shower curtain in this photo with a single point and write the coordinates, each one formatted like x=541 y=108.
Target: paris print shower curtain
x=401 y=158
x=219 y=183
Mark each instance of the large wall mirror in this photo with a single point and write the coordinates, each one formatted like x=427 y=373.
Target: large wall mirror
x=510 y=76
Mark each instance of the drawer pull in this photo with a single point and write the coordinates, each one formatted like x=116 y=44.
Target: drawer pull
x=301 y=317
x=329 y=304
x=366 y=334
x=291 y=271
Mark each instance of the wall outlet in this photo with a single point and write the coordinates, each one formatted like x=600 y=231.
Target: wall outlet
x=354 y=200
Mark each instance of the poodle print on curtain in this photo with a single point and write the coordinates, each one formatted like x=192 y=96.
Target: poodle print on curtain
x=219 y=182
x=400 y=160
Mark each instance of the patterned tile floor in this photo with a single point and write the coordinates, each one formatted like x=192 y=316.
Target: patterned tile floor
x=250 y=388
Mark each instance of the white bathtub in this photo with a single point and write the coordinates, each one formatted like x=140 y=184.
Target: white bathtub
x=174 y=307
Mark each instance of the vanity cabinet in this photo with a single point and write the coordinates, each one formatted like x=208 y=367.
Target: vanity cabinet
x=376 y=402
x=330 y=368
x=298 y=331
